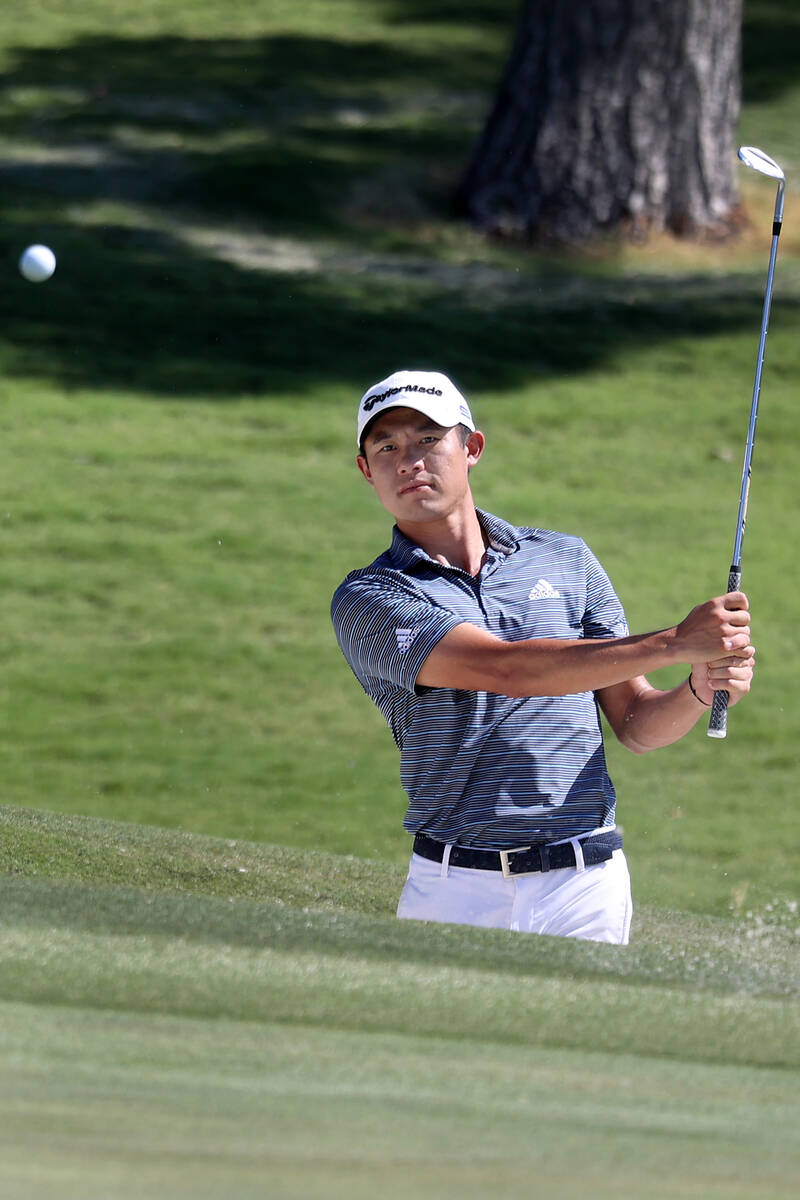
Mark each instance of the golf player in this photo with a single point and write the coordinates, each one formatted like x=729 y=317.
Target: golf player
x=490 y=649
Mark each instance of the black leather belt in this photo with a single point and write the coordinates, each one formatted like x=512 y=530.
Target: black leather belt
x=523 y=860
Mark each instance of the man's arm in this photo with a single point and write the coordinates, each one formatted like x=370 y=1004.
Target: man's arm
x=644 y=718
x=472 y=659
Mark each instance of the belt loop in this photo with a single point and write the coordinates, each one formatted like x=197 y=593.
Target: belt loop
x=580 y=865
x=446 y=860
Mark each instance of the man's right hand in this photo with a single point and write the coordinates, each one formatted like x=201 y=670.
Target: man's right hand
x=719 y=627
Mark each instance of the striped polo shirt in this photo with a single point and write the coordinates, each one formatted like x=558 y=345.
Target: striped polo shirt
x=483 y=769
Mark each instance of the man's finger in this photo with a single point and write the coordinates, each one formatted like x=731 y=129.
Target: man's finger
x=720 y=674
x=740 y=658
x=739 y=641
x=737 y=616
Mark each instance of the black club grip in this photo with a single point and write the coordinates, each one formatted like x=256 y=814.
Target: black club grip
x=718 y=721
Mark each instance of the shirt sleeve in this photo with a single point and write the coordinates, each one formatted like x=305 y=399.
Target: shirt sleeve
x=386 y=631
x=604 y=615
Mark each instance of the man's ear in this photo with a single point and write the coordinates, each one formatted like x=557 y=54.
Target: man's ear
x=363 y=467
x=475 y=444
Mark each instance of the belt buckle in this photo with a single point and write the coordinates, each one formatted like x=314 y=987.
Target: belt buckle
x=504 y=863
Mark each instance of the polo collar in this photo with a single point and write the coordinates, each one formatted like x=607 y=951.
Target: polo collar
x=502 y=536
x=406 y=554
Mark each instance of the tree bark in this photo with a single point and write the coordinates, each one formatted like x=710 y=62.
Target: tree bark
x=612 y=117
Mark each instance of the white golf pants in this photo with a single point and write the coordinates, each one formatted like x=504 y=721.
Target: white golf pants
x=592 y=902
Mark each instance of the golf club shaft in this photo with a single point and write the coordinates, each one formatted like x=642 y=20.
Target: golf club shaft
x=718 y=722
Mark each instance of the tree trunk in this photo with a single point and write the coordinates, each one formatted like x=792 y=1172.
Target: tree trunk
x=612 y=117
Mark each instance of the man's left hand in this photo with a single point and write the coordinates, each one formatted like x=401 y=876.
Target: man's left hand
x=732 y=674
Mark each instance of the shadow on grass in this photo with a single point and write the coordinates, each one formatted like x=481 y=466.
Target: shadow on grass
x=770 y=34
x=273 y=135
x=770 y=48
x=274 y=131
x=132 y=309
x=484 y=14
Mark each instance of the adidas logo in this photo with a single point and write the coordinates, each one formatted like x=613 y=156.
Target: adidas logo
x=543 y=591
x=404 y=638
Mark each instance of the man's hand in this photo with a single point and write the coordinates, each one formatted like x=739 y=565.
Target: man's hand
x=715 y=632
x=732 y=674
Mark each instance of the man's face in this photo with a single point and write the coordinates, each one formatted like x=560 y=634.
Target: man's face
x=418 y=469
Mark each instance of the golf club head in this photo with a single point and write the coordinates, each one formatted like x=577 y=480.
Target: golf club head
x=752 y=157
x=757 y=160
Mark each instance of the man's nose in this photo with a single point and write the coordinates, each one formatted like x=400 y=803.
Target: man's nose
x=410 y=458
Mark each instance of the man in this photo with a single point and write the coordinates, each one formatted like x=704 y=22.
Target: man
x=488 y=648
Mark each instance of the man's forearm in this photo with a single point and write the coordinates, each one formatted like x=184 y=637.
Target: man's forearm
x=554 y=667
x=472 y=659
x=656 y=718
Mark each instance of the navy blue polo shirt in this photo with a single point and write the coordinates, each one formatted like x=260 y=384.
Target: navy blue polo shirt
x=483 y=769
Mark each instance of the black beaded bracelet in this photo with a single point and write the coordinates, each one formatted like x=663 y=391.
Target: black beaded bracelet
x=694 y=693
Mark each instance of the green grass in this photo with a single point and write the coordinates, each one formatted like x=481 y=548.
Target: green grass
x=200 y=1016
x=216 y=1107
x=203 y=990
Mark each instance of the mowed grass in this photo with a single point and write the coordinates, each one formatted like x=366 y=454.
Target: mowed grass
x=205 y=1017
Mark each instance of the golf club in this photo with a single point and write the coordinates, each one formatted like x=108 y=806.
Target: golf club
x=757 y=160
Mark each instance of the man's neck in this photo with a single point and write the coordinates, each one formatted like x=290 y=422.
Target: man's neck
x=455 y=541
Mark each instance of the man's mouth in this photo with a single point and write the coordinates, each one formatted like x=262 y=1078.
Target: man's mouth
x=416 y=486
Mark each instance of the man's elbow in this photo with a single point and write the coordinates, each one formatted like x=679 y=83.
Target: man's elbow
x=638 y=748
x=625 y=733
x=625 y=739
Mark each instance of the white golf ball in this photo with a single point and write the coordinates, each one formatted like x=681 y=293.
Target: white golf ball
x=37 y=263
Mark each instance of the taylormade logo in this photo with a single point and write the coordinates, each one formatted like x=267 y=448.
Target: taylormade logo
x=379 y=397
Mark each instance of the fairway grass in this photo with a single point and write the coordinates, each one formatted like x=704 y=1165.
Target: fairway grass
x=243 y=1020
x=99 y=1105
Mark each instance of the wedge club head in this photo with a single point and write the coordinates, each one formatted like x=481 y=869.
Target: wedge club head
x=757 y=160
